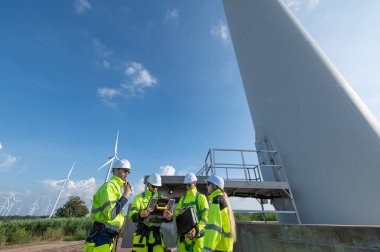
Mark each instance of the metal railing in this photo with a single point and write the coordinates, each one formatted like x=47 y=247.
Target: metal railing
x=249 y=171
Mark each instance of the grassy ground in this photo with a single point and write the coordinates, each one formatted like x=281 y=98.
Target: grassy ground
x=255 y=217
x=19 y=231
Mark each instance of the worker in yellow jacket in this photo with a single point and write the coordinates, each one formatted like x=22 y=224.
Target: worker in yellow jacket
x=193 y=240
x=147 y=236
x=220 y=232
x=107 y=205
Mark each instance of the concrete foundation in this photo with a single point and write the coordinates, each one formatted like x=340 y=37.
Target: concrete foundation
x=277 y=237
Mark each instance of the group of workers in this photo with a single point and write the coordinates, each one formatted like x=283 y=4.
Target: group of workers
x=215 y=229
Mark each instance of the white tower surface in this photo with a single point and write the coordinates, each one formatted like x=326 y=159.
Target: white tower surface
x=327 y=138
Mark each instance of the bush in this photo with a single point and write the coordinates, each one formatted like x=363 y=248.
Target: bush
x=77 y=236
x=53 y=234
x=19 y=236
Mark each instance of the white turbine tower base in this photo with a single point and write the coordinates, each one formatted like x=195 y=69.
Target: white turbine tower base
x=328 y=139
x=110 y=159
x=60 y=191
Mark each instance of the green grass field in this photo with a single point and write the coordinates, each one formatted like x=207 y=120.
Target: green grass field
x=255 y=217
x=19 y=231
x=25 y=230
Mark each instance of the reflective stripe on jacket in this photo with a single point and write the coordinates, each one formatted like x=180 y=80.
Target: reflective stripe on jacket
x=217 y=231
x=202 y=211
x=107 y=204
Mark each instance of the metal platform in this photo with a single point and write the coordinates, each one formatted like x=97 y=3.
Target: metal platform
x=173 y=186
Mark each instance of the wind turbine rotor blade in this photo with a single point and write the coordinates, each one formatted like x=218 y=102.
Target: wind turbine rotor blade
x=117 y=140
x=72 y=167
x=106 y=163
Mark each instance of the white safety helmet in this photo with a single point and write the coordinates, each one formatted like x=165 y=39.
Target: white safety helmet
x=189 y=178
x=216 y=180
x=121 y=164
x=155 y=179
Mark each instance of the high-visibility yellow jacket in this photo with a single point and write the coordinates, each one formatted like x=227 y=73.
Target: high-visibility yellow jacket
x=147 y=234
x=217 y=231
x=200 y=204
x=107 y=204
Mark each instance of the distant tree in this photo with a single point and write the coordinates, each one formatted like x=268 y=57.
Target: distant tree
x=74 y=207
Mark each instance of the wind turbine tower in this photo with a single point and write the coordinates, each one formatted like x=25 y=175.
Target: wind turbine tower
x=11 y=206
x=6 y=204
x=33 y=208
x=63 y=186
x=47 y=208
x=111 y=159
x=327 y=138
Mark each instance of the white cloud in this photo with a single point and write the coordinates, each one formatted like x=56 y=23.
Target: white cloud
x=140 y=187
x=7 y=160
x=220 y=31
x=100 y=49
x=136 y=76
x=167 y=170
x=138 y=79
x=82 y=6
x=82 y=188
x=171 y=14
x=108 y=93
x=302 y=5
x=139 y=75
x=106 y=64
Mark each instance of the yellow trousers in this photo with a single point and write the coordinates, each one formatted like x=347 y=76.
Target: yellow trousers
x=187 y=245
x=144 y=246
x=90 y=247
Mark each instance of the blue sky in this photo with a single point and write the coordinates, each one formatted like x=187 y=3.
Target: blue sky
x=162 y=72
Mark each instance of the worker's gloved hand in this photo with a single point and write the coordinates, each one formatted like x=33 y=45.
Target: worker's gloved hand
x=144 y=213
x=191 y=234
x=168 y=215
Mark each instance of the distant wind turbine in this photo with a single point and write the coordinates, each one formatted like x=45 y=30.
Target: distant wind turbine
x=11 y=206
x=34 y=207
x=6 y=202
x=63 y=185
x=47 y=208
x=110 y=159
x=18 y=210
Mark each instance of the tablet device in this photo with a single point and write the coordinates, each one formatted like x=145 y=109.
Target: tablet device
x=170 y=205
x=152 y=203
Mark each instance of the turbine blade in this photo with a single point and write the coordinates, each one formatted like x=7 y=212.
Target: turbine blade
x=106 y=163
x=72 y=167
x=117 y=139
